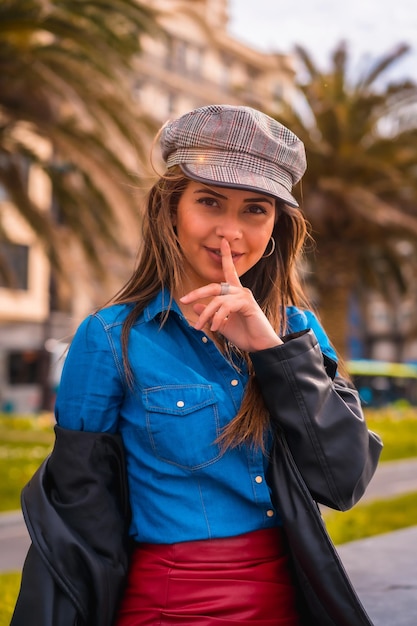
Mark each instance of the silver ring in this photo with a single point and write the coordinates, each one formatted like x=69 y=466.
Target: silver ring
x=224 y=289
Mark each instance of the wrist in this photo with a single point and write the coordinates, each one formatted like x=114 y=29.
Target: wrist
x=266 y=343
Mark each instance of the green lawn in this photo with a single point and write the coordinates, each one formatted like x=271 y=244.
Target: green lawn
x=24 y=443
x=9 y=588
x=373 y=518
x=397 y=429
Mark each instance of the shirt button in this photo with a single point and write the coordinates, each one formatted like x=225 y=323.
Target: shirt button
x=270 y=513
x=258 y=479
x=180 y=404
x=234 y=382
x=204 y=339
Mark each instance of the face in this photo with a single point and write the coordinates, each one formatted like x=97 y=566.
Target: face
x=206 y=214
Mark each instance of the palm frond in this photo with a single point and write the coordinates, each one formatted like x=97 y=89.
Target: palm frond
x=360 y=188
x=66 y=74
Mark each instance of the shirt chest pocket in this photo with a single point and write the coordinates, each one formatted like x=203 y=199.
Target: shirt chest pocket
x=183 y=424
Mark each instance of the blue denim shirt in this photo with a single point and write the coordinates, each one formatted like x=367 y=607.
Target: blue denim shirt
x=183 y=487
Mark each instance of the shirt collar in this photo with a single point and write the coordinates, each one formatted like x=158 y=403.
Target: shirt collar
x=162 y=302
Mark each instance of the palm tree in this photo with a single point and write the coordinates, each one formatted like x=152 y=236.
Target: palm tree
x=66 y=110
x=360 y=189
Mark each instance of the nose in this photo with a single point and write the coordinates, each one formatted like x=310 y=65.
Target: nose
x=229 y=228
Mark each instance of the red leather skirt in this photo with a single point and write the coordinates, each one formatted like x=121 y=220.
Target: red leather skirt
x=244 y=580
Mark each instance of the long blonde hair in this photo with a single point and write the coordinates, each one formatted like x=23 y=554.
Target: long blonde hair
x=274 y=282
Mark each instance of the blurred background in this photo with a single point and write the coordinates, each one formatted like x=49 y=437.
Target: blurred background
x=84 y=88
x=370 y=29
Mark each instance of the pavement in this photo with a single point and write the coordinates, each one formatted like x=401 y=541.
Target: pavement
x=14 y=541
x=391 y=479
x=383 y=568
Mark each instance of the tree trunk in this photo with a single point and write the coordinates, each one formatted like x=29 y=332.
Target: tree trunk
x=335 y=272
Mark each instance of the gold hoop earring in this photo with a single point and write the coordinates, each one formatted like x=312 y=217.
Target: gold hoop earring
x=265 y=256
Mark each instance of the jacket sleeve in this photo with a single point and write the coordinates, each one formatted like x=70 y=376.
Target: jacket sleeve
x=322 y=420
x=77 y=513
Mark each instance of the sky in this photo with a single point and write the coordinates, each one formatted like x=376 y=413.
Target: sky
x=370 y=27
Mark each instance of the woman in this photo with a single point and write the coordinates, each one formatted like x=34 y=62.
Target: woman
x=186 y=365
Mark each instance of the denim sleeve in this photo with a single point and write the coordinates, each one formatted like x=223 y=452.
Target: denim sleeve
x=91 y=390
x=302 y=320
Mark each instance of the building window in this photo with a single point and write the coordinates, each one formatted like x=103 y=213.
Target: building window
x=20 y=168
x=195 y=61
x=278 y=91
x=169 y=53
x=171 y=103
x=3 y=193
x=181 y=56
x=15 y=259
x=25 y=367
x=176 y=55
x=253 y=73
x=226 y=63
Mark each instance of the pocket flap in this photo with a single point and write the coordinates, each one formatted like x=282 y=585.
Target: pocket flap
x=178 y=399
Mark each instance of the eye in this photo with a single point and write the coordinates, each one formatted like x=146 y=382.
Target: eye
x=208 y=201
x=257 y=209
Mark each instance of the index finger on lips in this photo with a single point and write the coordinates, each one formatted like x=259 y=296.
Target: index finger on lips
x=228 y=266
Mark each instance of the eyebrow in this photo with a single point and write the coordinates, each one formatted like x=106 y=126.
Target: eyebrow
x=219 y=195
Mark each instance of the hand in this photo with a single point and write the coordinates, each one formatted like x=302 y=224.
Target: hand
x=236 y=314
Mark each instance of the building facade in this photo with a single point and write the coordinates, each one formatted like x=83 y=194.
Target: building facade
x=199 y=63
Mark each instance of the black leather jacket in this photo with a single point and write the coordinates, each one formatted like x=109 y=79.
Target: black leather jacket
x=323 y=452
x=77 y=513
x=76 y=505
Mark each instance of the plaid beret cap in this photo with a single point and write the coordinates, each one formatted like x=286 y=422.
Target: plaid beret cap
x=235 y=146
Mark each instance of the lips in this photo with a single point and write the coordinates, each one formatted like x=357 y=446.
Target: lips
x=215 y=253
